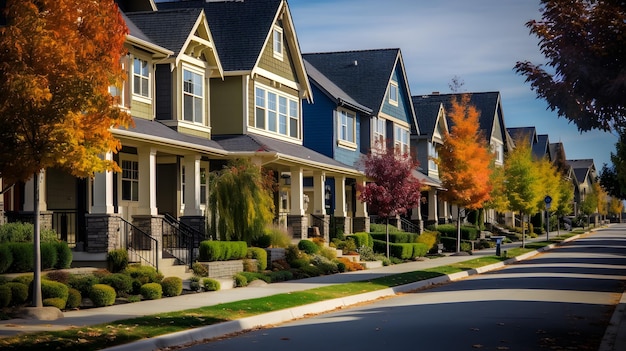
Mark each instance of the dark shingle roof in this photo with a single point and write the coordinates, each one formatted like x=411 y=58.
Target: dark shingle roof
x=485 y=102
x=524 y=133
x=581 y=168
x=259 y=143
x=169 y=29
x=239 y=28
x=541 y=149
x=427 y=112
x=332 y=90
x=364 y=75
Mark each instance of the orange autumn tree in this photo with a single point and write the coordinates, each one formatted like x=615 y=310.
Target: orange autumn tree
x=464 y=161
x=57 y=61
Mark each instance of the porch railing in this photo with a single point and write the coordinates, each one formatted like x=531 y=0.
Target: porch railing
x=141 y=247
x=409 y=226
x=180 y=240
x=65 y=223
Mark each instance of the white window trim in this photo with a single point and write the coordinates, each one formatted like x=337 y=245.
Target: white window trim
x=433 y=154
x=200 y=72
x=129 y=158
x=382 y=134
x=289 y=98
x=352 y=145
x=393 y=102
x=278 y=55
x=138 y=97
x=404 y=147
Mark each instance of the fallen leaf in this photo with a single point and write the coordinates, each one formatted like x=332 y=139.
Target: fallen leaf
x=477 y=346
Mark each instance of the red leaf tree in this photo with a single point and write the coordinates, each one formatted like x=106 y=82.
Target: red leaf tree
x=393 y=188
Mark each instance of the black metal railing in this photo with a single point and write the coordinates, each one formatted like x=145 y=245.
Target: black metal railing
x=65 y=223
x=180 y=240
x=141 y=247
x=409 y=226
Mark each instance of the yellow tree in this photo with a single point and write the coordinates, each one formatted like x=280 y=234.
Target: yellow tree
x=549 y=183
x=58 y=59
x=565 y=199
x=616 y=206
x=464 y=161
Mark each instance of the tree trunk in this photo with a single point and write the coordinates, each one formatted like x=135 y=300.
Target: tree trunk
x=387 y=232
x=523 y=230
x=37 y=300
x=458 y=229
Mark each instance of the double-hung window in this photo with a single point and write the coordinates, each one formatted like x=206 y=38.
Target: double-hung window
x=276 y=112
x=130 y=180
x=346 y=126
x=379 y=132
x=193 y=98
x=401 y=139
x=141 y=78
x=433 y=155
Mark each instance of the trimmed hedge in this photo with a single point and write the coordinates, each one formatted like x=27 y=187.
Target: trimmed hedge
x=362 y=239
x=172 y=286
x=260 y=255
x=17 y=257
x=64 y=255
x=403 y=251
x=6 y=258
x=74 y=299
x=144 y=274
x=102 y=295
x=52 y=289
x=48 y=255
x=19 y=293
x=308 y=247
x=212 y=250
x=122 y=283
x=398 y=238
x=449 y=230
x=55 y=302
x=5 y=296
x=211 y=284
x=83 y=283
x=151 y=291
x=117 y=260
x=23 y=260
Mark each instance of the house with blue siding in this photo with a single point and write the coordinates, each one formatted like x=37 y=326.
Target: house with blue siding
x=362 y=98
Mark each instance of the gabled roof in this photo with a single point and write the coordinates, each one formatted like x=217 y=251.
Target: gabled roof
x=169 y=29
x=364 y=75
x=582 y=168
x=427 y=113
x=488 y=103
x=331 y=90
x=524 y=133
x=137 y=37
x=258 y=144
x=540 y=148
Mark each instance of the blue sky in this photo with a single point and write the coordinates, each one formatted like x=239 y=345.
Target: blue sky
x=479 y=41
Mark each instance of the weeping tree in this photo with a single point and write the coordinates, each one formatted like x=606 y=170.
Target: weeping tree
x=242 y=194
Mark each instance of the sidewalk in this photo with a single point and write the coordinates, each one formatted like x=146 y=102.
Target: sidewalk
x=110 y=314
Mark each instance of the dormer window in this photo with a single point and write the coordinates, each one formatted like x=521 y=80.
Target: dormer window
x=193 y=96
x=393 y=93
x=277 y=42
x=141 y=78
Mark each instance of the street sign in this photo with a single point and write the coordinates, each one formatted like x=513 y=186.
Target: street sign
x=548 y=201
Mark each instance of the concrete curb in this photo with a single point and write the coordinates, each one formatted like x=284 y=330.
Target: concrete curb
x=615 y=336
x=286 y=315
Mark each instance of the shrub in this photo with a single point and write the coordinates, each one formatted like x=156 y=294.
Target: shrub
x=252 y=276
x=23 y=260
x=102 y=295
x=145 y=274
x=341 y=266
x=55 y=302
x=211 y=284
x=280 y=276
x=134 y=298
x=419 y=250
x=280 y=265
x=6 y=258
x=211 y=250
x=300 y=262
x=52 y=289
x=449 y=230
x=151 y=291
x=328 y=253
x=367 y=253
x=64 y=255
x=308 y=247
x=16 y=232
x=362 y=239
x=200 y=270
x=429 y=238
x=48 y=255
x=5 y=296
x=240 y=280
x=292 y=253
x=350 y=266
x=382 y=228
x=279 y=237
x=260 y=255
x=83 y=283
x=58 y=276
x=74 y=299
x=396 y=237
x=325 y=265
x=25 y=279
x=19 y=293
x=117 y=260
x=308 y=272
x=122 y=283
x=194 y=283
x=263 y=241
x=347 y=246
x=172 y=286
x=250 y=265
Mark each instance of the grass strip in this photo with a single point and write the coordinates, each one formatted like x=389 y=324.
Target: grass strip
x=129 y=330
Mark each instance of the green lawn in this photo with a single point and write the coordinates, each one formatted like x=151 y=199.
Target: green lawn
x=129 y=330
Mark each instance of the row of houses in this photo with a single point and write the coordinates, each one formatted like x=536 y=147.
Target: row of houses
x=210 y=81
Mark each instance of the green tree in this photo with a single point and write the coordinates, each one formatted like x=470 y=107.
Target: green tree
x=613 y=178
x=243 y=197
x=566 y=199
x=523 y=183
x=464 y=161
x=58 y=59
x=584 y=42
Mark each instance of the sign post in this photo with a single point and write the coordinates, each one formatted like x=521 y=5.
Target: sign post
x=548 y=201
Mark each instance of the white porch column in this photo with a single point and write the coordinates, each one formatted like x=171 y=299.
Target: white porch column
x=103 y=190
x=340 y=196
x=192 y=185
x=29 y=193
x=319 y=199
x=147 y=182
x=361 y=207
x=433 y=214
x=297 y=192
